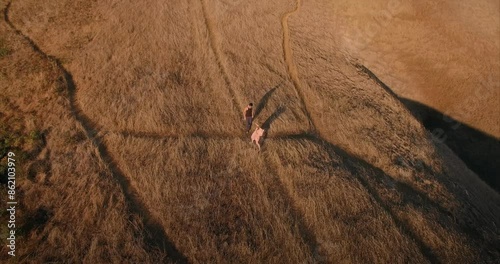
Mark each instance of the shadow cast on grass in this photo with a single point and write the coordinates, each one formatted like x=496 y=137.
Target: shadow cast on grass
x=411 y=197
x=480 y=151
x=366 y=173
x=296 y=215
x=267 y=124
x=477 y=149
x=155 y=236
x=376 y=182
x=263 y=101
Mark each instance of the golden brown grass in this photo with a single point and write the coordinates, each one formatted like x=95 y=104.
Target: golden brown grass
x=151 y=140
x=443 y=54
x=70 y=207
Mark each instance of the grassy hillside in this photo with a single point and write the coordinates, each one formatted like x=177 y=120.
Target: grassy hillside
x=441 y=59
x=443 y=54
x=133 y=149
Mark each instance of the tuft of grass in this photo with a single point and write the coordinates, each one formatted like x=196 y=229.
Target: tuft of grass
x=35 y=135
x=4 y=50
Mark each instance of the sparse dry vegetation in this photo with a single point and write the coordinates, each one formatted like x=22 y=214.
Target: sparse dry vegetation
x=127 y=115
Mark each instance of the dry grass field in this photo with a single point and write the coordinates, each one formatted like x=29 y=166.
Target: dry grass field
x=441 y=58
x=126 y=117
x=440 y=53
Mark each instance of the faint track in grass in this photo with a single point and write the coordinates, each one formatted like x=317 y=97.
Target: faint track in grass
x=156 y=238
x=214 y=45
x=290 y=64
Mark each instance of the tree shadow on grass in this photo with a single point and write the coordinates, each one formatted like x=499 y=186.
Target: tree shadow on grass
x=371 y=177
x=480 y=153
x=155 y=236
x=366 y=174
x=377 y=183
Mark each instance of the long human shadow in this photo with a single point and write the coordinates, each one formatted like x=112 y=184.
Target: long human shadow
x=267 y=124
x=263 y=101
x=155 y=237
x=478 y=150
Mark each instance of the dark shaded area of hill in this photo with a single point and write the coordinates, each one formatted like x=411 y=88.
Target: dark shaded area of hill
x=480 y=151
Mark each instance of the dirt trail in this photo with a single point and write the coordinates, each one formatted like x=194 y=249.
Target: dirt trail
x=287 y=51
x=290 y=64
x=156 y=238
